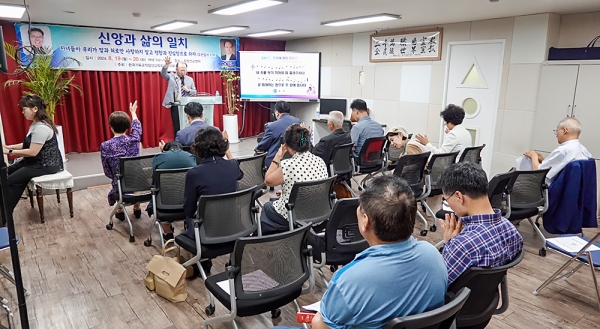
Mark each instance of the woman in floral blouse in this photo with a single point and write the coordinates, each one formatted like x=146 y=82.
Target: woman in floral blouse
x=121 y=145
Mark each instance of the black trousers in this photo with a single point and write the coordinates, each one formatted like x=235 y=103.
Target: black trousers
x=175 y=119
x=19 y=176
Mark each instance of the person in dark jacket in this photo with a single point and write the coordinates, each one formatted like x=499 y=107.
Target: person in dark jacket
x=274 y=130
x=324 y=148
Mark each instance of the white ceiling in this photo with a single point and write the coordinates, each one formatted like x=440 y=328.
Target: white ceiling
x=302 y=16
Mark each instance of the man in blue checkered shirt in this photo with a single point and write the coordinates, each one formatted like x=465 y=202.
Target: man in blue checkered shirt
x=481 y=237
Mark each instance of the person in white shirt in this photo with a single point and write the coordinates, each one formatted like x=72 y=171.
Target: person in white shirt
x=457 y=137
x=569 y=149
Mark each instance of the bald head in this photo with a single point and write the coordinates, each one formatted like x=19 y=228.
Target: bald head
x=568 y=129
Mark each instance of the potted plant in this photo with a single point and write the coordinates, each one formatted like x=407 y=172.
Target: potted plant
x=49 y=82
x=232 y=102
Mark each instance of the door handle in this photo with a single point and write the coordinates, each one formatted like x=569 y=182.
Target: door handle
x=574 y=107
x=568 y=111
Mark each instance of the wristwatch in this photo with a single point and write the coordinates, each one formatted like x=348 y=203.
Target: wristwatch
x=275 y=162
x=10 y=151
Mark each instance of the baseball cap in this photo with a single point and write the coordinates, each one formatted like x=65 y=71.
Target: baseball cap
x=398 y=129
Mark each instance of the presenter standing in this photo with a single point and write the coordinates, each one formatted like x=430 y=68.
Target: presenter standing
x=179 y=85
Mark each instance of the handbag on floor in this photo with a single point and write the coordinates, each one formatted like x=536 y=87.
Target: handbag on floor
x=167 y=276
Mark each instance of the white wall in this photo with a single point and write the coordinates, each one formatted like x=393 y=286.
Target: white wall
x=417 y=107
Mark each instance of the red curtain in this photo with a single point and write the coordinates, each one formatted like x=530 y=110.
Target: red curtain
x=84 y=116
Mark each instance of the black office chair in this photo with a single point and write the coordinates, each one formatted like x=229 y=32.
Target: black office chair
x=220 y=221
x=371 y=160
x=411 y=167
x=393 y=155
x=254 y=170
x=310 y=201
x=134 y=182
x=472 y=154
x=341 y=241
x=341 y=165
x=266 y=273
x=435 y=167
x=488 y=287
x=168 y=196
x=440 y=318
x=529 y=198
x=347 y=125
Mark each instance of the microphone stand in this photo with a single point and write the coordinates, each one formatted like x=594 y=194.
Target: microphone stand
x=12 y=239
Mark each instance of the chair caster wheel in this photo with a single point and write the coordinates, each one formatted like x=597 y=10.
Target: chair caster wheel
x=275 y=313
x=333 y=268
x=424 y=233
x=210 y=310
x=148 y=243
x=109 y=226
x=433 y=228
x=132 y=239
x=537 y=224
x=542 y=252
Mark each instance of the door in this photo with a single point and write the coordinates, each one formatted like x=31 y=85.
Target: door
x=555 y=102
x=473 y=77
x=586 y=107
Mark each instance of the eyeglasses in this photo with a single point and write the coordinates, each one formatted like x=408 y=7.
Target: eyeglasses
x=450 y=197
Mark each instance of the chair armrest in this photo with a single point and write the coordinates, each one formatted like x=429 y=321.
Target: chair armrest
x=197 y=222
x=154 y=190
x=504 y=296
x=289 y=206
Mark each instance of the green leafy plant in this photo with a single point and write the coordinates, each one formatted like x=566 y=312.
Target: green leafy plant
x=41 y=78
x=232 y=99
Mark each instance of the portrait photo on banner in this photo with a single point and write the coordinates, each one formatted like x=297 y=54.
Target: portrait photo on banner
x=228 y=50
x=38 y=37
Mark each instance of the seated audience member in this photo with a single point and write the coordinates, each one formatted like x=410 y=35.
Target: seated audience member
x=172 y=157
x=457 y=137
x=569 y=149
x=302 y=166
x=39 y=150
x=365 y=127
x=213 y=174
x=396 y=276
x=194 y=113
x=121 y=145
x=401 y=139
x=481 y=237
x=325 y=146
x=274 y=130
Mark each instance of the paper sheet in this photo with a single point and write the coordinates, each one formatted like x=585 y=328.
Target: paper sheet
x=446 y=207
x=313 y=307
x=571 y=243
x=524 y=163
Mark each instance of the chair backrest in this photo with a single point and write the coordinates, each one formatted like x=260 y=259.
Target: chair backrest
x=440 y=318
x=311 y=200
x=186 y=148
x=436 y=166
x=499 y=188
x=136 y=173
x=528 y=189
x=341 y=160
x=253 y=168
x=347 y=125
x=170 y=188
x=227 y=217
x=372 y=152
x=272 y=265
x=411 y=167
x=484 y=299
x=472 y=154
x=342 y=235
x=393 y=153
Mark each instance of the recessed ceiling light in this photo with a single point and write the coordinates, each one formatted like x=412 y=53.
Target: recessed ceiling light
x=245 y=6
x=226 y=29
x=11 y=11
x=270 y=33
x=362 y=20
x=174 y=25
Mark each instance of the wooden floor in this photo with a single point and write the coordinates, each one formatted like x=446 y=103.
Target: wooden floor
x=82 y=276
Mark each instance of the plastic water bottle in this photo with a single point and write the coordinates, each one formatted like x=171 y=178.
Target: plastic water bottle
x=217 y=93
x=318 y=112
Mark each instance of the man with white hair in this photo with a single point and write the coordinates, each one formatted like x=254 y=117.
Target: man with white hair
x=324 y=149
x=570 y=149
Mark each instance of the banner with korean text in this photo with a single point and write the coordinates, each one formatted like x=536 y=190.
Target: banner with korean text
x=100 y=49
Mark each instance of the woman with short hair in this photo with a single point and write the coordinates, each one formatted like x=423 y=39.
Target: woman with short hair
x=303 y=166
x=457 y=137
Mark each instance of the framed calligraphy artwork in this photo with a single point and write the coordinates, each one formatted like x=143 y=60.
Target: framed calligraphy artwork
x=423 y=45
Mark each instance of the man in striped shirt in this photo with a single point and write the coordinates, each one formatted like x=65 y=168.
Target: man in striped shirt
x=481 y=237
